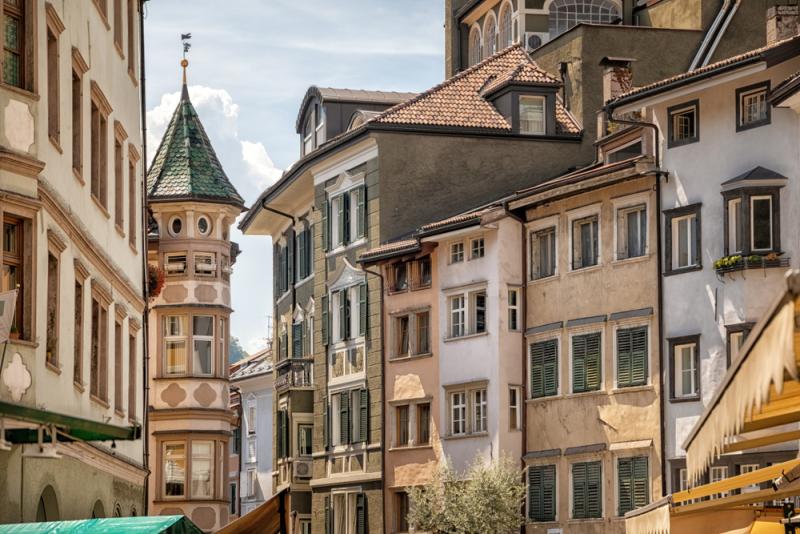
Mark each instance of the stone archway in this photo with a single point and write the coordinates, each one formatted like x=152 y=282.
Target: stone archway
x=47 y=509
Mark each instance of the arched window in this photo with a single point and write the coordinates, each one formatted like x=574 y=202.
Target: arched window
x=474 y=45
x=564 y=14
x=489 y=35
x=98 y=510
x=48 y=506
x=506 y=28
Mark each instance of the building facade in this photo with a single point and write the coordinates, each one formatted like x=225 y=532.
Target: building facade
x=193 y=205
x=71 y=200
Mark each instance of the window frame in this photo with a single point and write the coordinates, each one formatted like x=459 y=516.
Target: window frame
x=454 y=257
x=475 y=45
x=672 y=111
x=741 y=94
x=623 y=206
x=744 y=197
x=743 y=329
x=490 y=40
x=631 y=456
x=100 y=111
x=27 y=16
x=601 y=379
x=163 y=486
x=555 y=493
x=523 y=99
x=671 y=216
x=514 y=408
x=578 y=216
x=479 y=252
x=467 y=391
x=514 y=310
x=545 y=228
x=99 y=336
x=627 y=326
x=552 y=338
x=679 y=342
x=572 y=489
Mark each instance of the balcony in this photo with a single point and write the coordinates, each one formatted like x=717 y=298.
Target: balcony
x=298 y=374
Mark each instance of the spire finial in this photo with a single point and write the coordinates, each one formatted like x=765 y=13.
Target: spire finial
x=185 y=37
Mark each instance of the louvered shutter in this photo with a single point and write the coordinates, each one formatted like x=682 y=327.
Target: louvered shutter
x=541 y=493
x=344 y=417
x=345 y=224
x=594 y=493
x=622 y=234
x=361 y=513
x=342 y=313
x=548 y=492
x=639 y=357
x=641 y=482
x=279 y=434
x=361 y=195
x=326 y=423
x=534 y=493
x=579 y=491
x=287 y=444
x=284 y=345
x=345 y=300
x=624 y=485
x=297 y=340
x=551 y=367
x=362 y=309
x=592 y=362
x=537 y=370
x=325 y=319
x=624 y=338
x=290 y=246
x=326 y=228
x=328 y=518
x=578 y=364
x=276 y=268
x=340 y=220
x=363 y=426
x=301 y=255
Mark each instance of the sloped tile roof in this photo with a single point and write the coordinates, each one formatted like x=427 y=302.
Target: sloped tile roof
x=455 y=219
x=390 y=248
x=522 y=74
x=185 y=166
x=364 y=96
x=460 y=102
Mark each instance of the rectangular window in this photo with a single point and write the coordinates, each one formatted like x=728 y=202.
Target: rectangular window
x=587 y=487
x=251 y=418
x=457 y=316
x=633 y=484
x=304 y=444
x=99 y=159
x=737 y=334
x=131 y=36
x=753 y=109
x=175 y=334
x=685 y=372
x=348 y=513
x=308 y=135
x=761 y=223
x=513 y=309
x=478 y=312
x=734 y=226
x=118 y=24
x=401 y=417
x=718 y=474
x=53 y=99
x=14 y=56
x=15 y=265
x=175 y=264
x=233 y=498
x=423 y=332
x=458 y=419
x=424 y=272
x=53 y=300
x=202 y=469
x=531 y=115
x=174 y=469
x=77 y=366
x=118 y=369
x=423 y=424
x=544 y=368
x=77 y=123
x=685 y=249
x=543 y=253
x=98 y=385
x=320 y=129
x=479 y=406
x=402 y=508
x=399 y=276
x=477 y=248
x=684 y=125
x=585 y=250
x=586 y=366
x=119 y=190
x=632 y=356
x=252 y=481
x=514 y=412
x=132 y=188
x=347 y=361
x=542 y=493
x=203 y=345
x=631 y=232
x=132 y=375
x=251 y=449
x=749 y=468
x=456 y=252
x=205 y=264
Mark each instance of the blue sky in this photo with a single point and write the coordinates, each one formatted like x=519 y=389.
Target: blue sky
x=250 y=64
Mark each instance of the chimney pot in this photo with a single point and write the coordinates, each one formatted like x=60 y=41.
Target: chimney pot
x=782 y=22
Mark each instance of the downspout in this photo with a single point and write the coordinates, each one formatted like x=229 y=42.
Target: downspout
x=293 y=245
x=145 y=277
x=238 y=391
x=383 y=400
x=660 y=283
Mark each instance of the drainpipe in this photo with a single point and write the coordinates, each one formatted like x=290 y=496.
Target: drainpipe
x=238 y=391
x=293 y=244
x=383 y=400
x=145 y=277
x=660 y=283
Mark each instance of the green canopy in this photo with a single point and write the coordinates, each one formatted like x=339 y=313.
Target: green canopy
x=168 y=524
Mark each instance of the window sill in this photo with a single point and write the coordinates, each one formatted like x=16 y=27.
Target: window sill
x=551 y=278
x=23 y=343
x=632 y=389
x=587 y=269
x=399 y=448
x=756 y=124
x=584 y=521
x=133 y=247
x=78 y=176
x=420 y=287
x=412 y=357
x=465 y=336
x=635 y=259
x=132 y=75
x=683 y=270
x=683 y=142
x=466 y=436
x=120 y=413
x=344 y=248
x=100 y=206
x=99 y=401
x=539 y=400
x=302 y=282
x=118 y=48
x=55 y=143
x=53 y=367
x=33 y=97
x=677 y=400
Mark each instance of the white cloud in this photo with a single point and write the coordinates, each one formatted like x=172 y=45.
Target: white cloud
x=259 y=164
x=255 y=344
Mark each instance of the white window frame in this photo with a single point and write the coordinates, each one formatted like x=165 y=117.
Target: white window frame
x=490 y=48
x=212 y=468
x=480 y=416
x=252 y=411
x=627 y=204
x=515 y=408
x=252 y=447
x=535 y=227
x=753 y=199
x=593 y=210
x=690 y=241
x=749 y=468
x=523 y=99
x=734 y=225
x=461 y=311
x=168 y=263
x=679 y=371
x=251 y=482
x=208 y=224
x=482 y=248
x=743 y=103
x=456 y=256
x=514 y=309
x=463 y=407
x=718 y=473
x=210 y=339
x=475 y=46
x=347 y=184
x=468 y=310
x=348 y=495
x=570 y=510
x=673 y=116
x=183 y=320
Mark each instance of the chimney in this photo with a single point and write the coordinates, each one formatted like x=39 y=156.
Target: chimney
x=782 y=22
x=617 y=76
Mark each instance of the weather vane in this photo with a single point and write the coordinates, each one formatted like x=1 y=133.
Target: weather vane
x=185 y=37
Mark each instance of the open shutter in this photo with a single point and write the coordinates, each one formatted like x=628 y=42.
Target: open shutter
x=624 y=338
x=622 y=235
x=594 y=493
x=361 y=196
x=577 y=241
x=340 y=220
x=639 y=357
x=325 y=320
x=301 y=255
x=297 y=340
x=641 y=482
x=362 y=309
x=592 y=362
x=326 y=229
x=326 y=424
x=279 y=435
x=344 y=301
x=284 y=345
x=363 y=423
x=328 y=516
x=625 y=485
x=361 y=513
x=346 y=212
x=287 y=444
x=579 y=491
x=578 y=364
x=537 y=370
x=344 y=417
x=595 y=251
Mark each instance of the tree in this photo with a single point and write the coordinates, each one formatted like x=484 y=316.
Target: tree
x=487 y=498
x=235 y=350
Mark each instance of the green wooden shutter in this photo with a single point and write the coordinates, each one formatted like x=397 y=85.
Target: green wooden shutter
x=290 y=246
x=326 y=229
x=579 y=491
x=362 y=309
x=361 y=195
x=641 y=481
x=534 y=493
x=301 y=255
x=624 y=485
x=537 y=370
x=363 y=426
x=594 y=491
x=624 y=338
x=593 y=361
x=541 y=493
x=284 y=345
x=361 y=513
x=342 y=323
x=344 y=417
x=326 y=423
x=328 y=518
x=297 y=340
x=346 y=216
x=578 y=364
x=639 y=357
x=287 y=440
x=279 y=434
x=551 y=367
x=340 y=220
x=548 y=492
x=325 y=320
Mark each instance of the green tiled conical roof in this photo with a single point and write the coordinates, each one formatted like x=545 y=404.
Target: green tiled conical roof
x=186 y=166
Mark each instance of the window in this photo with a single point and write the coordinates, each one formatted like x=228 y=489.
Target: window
x=761 y=223
x=752 y=109
x=587 y=487
x=734 y=225
x=348 y=513
x=490 y=35
x=119 y=190
x=252 y=480
x=251 y=417
x=564 y=14
x=15 y=67
x=531 y=115
x=203 y=225
x=399 y=277
x=132 y=189
x=737 y=334
x=542 y=493
x=467 y=321
x=717 y=474
x=585 y=247
x=514 y=412
x=684 y=124
x=77 y=122
x=99 y=146
x=423 y=424
x=77 y=366
x=175 y=345
x=53 y=99
x=118 y=368
x=751 y=217
x=513 y=309
x=304 y=253
x=347 y=362
x=282 y=432
x=457 y=252
x=16 y=268
x=423 y=273
x=174 y=469
x=479 y=411
x=422 y=325
x=631 y=232
x=457 y=316
x=348 y=417
x=543 y=253
x=232 y=497
x=344 y=218
x=477 y=248
x=175 y=264
x=401 y=418
x=402 y=327
x=544 y=368
x=624 y=152
x=203 y=344
x=319 y=113
x=685 y=367
x=345 y=324
x=475 y=45
x=683 y=239
x=131 y=374
x=304 y=445
x=632 y=356
x=251 y=449
x=175 y=226
x=506 y=26
x=204 y=264
x=743 y=470
x=586 y=366
x=479 y=307
x=98 y=384
x=305 y=526
x=202 y=469
x=131 y=36
x=53 y=275
x=458 y=419
x=308 y=134
x=402 y=508
x=633 y=484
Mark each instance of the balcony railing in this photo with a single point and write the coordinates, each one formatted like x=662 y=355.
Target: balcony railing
x=732 y=264
x=296 y=375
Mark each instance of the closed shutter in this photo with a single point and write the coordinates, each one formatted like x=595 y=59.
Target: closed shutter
x=361 y=195
x=544 y=368
x=548 y=492
x=362 y=309
x=301 y=255
x=624 y=485
x=586 y=362
x=578 y=364
x=537 y=370
x=328 y=518
x=344 y=417
x=325 y=320
x=297 y=340
x=363 y=423
x=344 y=300
x=326 y=424
x=632 y=357
x=541 y=493
x=641 y=482
x=276 y=269
x=579 y=491
x=361 y=513
x=326 y=230
x=586 y=490
x=624 y=358
x=287 y=444
x=290 y=246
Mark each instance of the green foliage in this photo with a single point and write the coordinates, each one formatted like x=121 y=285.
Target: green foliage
x=487 y=498
x=235 y=350
x=728 y=261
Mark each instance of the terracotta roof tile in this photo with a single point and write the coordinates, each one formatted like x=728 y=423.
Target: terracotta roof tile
x=455 y=219
x=388 y=248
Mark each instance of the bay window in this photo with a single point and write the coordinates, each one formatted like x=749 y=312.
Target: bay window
x=17 y=269
x=174 y=470
x=752 y=221
x=175 y=345
x=201 y=338
x=202 y=469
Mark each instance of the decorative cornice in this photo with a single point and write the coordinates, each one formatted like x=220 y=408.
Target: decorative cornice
x=100 y=99
x=56 y=241
x=53 y=20
x=119 y=130
x=80 y=269
x=78 y=62
x=20 y=163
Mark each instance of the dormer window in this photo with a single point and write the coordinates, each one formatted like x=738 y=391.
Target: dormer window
x=308 y=135
x=320 y=130
x=752 y=212
x=531 y=115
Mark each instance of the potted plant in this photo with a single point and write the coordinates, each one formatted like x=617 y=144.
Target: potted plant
x=14 y=333
x=155 y=280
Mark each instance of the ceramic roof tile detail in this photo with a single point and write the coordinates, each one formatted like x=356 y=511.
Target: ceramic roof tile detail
x=388 y=248
x=186 y=166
